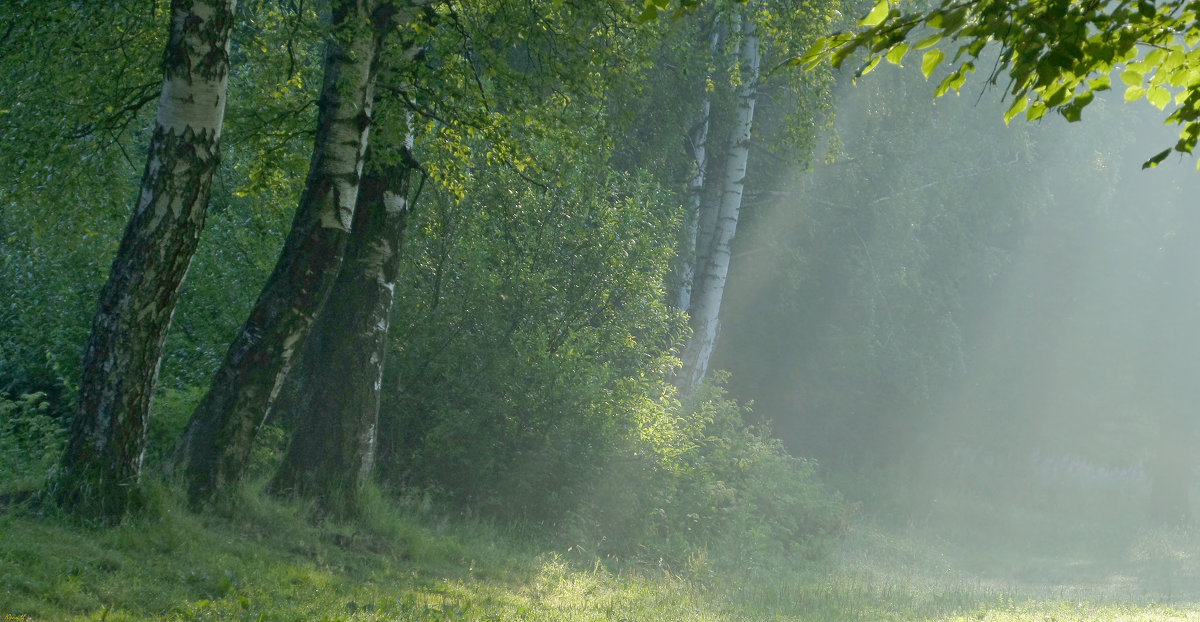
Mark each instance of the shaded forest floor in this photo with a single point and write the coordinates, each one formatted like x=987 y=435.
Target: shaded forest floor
x=957 y=557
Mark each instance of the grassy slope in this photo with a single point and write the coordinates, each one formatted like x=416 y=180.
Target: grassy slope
x=268 y=563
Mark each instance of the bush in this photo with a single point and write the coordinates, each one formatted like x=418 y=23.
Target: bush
x=697 y=482
x=31 y=441
x=528 y=324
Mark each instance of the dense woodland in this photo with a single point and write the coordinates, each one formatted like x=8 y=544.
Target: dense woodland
x=463 y=277
x=654 y=285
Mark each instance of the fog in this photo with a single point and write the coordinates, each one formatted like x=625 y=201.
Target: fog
x=995 y=325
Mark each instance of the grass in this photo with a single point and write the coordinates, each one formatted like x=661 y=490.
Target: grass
x=964 y=559
x=270 y=562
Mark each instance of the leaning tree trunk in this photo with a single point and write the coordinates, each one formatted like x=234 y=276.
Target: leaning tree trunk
x=340 y=375
x=713 y=258
x=216 y=445
x=698 y=141
x=103 y=459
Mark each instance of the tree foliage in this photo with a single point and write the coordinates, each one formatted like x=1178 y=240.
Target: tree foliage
x=60 y=130
x=530 y=340
x=1053 y=54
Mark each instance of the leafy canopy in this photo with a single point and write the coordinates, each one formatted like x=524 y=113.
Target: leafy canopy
x=1056 y=54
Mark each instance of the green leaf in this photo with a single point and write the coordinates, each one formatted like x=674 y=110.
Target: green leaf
x=1134 y=93
x=867 y=67
x=1187 y=137
x=1100 y=48
x=1100 y=83
x=1131 y=77
x=1159 y=157
x=1169 y=65
x=1159 y=97
x=1155 y=57
x=652 y=7
x=1015 y=109
x=876 y=16
x=1185 y=76
x=930 y=62
x=813 y=55
x=960 y=76
x=954 y=81
x=944 y=86
x=928 y=41
x=1073 y=111
x=896 y=54
x=648 y=15
x=1036 y=111
x=1056 y=95
x=838 y=57
x=954 y=19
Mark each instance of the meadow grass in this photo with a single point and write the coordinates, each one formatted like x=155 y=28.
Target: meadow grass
x=269 y=560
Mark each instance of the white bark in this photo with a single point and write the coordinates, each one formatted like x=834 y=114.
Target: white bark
x=333 y=451
x=698 y=140
x=108 y=436
x=188 y=102
x=713 y=258
x=216 y=445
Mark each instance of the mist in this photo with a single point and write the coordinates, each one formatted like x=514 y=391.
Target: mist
x=986 y=332
x=545 y=310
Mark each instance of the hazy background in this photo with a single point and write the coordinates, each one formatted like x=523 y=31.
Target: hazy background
x=994 y=324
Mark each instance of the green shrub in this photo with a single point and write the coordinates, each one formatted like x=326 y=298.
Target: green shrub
x=168 y=416
x=697 y=485
x=528 y=325
x=31 y=441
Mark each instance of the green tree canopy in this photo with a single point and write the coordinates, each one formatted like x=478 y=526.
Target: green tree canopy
x=1056 y=54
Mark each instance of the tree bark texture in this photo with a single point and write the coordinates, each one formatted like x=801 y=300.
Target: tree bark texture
x=332 y=452
x=216 y=444
x=713 y=257
x=103 y=459
x=698 y=141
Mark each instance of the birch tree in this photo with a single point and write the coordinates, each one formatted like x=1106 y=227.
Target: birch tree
x=217 y=441
x=332 y=454
x=718 y=225
x=697 y=139
x=754 y=33
x=102 y=462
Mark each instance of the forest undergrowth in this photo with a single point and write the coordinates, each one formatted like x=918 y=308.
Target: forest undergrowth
x=931 y=555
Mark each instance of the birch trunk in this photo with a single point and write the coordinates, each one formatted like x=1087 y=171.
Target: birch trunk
x=103 y=459
x=698 y=141
x=713 y=258
x=216 y=445
x=332 y=453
